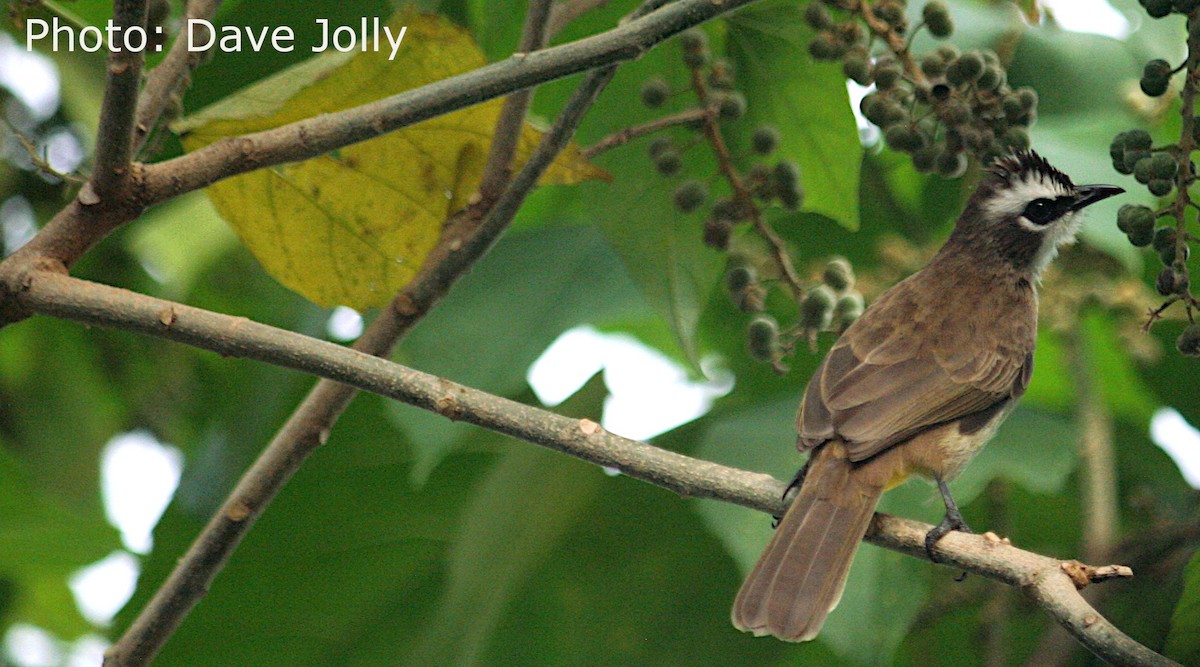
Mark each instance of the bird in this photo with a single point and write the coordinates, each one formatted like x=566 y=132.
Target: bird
x=915 y=386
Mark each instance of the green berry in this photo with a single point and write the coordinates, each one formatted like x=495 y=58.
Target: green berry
x=1165 y=283
x=849 y=307
x=765 y=140
x=838 y=274
x=695 y=48
x=1133 y=157
x=857 y=67
x=1143 y=170
x=762 y=337
x=1160 y=187
x=937 y=19
x=1138 y=140
x=1134 y=216
x=1164 y=238
x=933 y=66
x=816 y=310
x=965 y=69
x=668 y=162
x=992 y=78
x=690 y=195
x=787 y=172
x=1163 y=165
x=925 y=160
x=694 y=40
x=951 y=164
x=1141 y=236
x=1156 y=77
x=1028 y=98
x=717 y=233
x=1188 y=342
x=731 y=105
x=817 y=16
x=826 y=47
x=659 y=146
x=1016 y=138
x=887 y=75
x=905 y=138
x=739 y=277
x=655 y=92
x=792 y=197
x=882 y=110
x=1156 y=8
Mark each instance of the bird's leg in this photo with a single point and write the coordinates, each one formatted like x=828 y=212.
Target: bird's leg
x=953 y=520
x=794 y=485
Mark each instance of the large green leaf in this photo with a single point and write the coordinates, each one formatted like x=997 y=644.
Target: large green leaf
x=1183 y=643
x=806 y=100
x=532 y=286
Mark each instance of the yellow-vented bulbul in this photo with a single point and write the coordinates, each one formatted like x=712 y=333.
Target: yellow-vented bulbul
x=917 y=385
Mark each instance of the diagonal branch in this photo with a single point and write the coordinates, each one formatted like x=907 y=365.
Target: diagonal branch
x=310 y=424
x=114 y=137
x=1052 y=584
x=498 y=168
x=171 y=75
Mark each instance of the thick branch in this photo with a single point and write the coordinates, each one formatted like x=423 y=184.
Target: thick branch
x=114 y=137
x=171 y=74
x=1053 y=584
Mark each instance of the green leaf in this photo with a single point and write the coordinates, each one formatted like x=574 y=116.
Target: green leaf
x=1183 y=643
x=806 y=100
x=519 y=514
x=42 y=542
x=533 y=286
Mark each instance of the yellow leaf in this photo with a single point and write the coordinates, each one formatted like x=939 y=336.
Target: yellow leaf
x=353 y=226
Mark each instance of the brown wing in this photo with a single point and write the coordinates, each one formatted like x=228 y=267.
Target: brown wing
x=906 y=366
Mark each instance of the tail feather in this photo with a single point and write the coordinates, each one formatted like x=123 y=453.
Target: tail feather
x=800 y=577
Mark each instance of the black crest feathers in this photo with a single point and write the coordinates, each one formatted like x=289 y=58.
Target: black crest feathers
x=1018 y=165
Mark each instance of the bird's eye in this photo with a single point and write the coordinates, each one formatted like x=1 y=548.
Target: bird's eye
x=1044 y=211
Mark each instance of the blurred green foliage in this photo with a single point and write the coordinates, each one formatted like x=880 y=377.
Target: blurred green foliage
x=411 y=540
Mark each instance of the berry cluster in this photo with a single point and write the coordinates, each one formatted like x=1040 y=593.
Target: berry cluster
x=831 y=305
x=714 y=85
x=1166 y=171
x=940 y=108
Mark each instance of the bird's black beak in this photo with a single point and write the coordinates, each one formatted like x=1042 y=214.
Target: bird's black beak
x=1086 y=195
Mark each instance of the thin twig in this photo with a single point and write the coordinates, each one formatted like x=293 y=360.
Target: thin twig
x=741 y=193
x=626 y=135
x=114 y=136
x=507 y=136
x=171 y=74
x=568 y=10
x=1051 y=583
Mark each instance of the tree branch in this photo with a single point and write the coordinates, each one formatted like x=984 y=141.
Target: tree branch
x=310 y=424
x=498 y=168
x=315 y=136
x=1052 y=584
x=75 y=229
x=171 y=75
x=114 y=137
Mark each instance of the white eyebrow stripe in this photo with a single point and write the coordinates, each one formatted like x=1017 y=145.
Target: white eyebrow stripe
x=1013 y=198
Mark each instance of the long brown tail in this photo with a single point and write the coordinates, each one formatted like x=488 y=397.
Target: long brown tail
x=799 y=578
